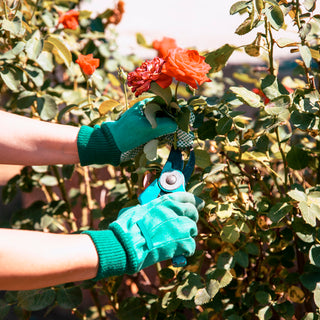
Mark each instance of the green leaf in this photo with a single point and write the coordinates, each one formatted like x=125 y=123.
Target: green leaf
x=316 y=295
x=279 y=211
x=13 y=26
x=311 y=316
x=61 y=49
x=189 y=288
x=183 y=119
x=45 y=61
x=314 y=255
x=275 y=16
x=47 y=107
x=69 y=297
x=34 y=46
x=165 y=94
x=224 y=210
x=11 y=54
x=213 y=287
x=297 y=158
x=33 y=300
x=303 y=120
x=308 y=215
x=202 y=158
x=49 y=181
x=272 y=87
x=230 y=233
x=298 y=195
x=150 y=149
x=11 y=77
x=224 y=125
x=252 y=248
x=35 y=74
x=242 y=258
x=202 y=297
x=207 y=130
x=245 y=27
x=132 y=308
x=239 y=6
x=310 y=5
x=247 y=96
x=306 y=55
x=217 y=59
x=265 y=313
x=310 y=279
x=142 y=41
x=262 y=297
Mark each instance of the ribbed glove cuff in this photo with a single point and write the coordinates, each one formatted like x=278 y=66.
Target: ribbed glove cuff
x=97 y=146
x=112 y=256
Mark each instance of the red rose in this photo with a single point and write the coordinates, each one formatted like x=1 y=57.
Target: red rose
x=163 y=46
x=140 y=79
x=186 y=66
x=70 y=19
x=87 y=63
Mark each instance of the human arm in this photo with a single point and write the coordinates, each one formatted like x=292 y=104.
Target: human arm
x=25 y=141
x=140 y=237
x=32 y=259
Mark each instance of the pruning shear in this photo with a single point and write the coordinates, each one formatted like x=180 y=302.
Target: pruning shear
x=173 y=178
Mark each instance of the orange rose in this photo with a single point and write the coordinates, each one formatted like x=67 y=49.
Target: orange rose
x=163 y=46
x=70 y=19
x=186 y=66
x=88 y=64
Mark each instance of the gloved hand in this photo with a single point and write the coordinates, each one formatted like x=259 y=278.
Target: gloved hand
x=144 y=235
x=110 y=141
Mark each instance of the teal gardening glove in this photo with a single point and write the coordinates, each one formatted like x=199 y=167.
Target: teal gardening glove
x=144 y=235
x=111 y=141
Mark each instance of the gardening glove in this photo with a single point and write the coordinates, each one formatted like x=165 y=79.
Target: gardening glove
x=144 y=235
x=112 y=141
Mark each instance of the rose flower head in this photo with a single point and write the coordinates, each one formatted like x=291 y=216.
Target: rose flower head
x=70 y=19
x=163 y=46
x=87 y=63
x=260 y=93
x=186 y=66
x=151 y=70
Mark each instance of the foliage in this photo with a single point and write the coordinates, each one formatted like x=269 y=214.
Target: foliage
x=257 y=159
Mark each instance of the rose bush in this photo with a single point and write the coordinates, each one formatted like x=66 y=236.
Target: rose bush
x=257 y=161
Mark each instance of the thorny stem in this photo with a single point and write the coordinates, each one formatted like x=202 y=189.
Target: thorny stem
x=270 y=44
x=88 y=93
x=95 y=298
x=63 y=191
x=86 y=217
x=126 y=183
x=284 y=160
x=35 y=9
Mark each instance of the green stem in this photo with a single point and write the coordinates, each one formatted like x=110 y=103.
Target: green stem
x=176 y=91
x=270 y=44
x=97 y=303
x=88 y=93
x=284 y=160
x=62 y=187
x=5 y=9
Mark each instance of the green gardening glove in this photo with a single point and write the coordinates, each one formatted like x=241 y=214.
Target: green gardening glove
x=111 y=141
x=144 y=235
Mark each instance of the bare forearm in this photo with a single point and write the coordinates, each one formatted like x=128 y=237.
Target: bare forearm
x=26 y=141
x=31 y=259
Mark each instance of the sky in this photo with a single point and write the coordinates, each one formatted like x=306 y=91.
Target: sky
x=202 y=24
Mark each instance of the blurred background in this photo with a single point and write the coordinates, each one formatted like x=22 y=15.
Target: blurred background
x=203 y=24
